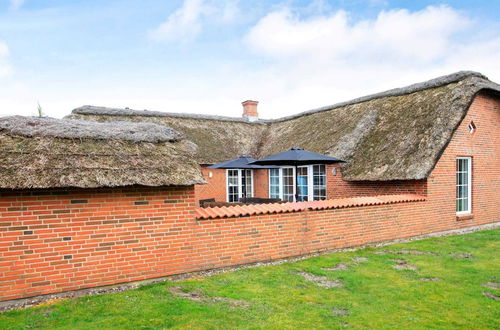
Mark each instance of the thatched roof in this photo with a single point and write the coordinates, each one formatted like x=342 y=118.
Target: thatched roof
x=215 y=138
x=394 y=135
x=51 y=153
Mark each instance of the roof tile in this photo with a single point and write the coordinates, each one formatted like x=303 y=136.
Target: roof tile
x=256 y=209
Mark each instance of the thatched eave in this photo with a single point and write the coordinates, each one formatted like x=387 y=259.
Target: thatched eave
x=39 y=153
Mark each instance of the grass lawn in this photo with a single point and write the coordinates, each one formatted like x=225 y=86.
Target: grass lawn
x=433 y=283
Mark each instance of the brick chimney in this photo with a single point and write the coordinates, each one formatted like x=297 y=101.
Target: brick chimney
x=250 y=110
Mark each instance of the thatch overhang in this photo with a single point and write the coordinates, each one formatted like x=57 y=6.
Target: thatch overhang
x=394 y=135
x=54 y=153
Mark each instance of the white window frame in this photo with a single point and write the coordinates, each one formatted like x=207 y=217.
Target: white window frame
x=310 y=181
x=240 y=183
x=469 y=185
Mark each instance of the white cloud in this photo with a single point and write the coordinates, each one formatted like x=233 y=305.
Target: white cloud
x=186 y=23
x=326 y=58
x=183 y=24
x=423 y=35
x=16 y=4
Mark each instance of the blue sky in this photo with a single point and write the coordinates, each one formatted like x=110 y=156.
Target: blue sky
x=206 y=56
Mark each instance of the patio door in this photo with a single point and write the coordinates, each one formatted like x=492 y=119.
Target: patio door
x=239 y=182
x=311 y=183
x=282 y=183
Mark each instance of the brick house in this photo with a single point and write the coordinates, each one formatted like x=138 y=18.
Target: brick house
x=92 y=203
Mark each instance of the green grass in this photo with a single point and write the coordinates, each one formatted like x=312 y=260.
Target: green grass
x=375 y=294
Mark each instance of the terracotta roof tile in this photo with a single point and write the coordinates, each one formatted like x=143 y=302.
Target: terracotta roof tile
x=256 y=209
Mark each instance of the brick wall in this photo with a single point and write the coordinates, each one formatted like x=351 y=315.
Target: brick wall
x=261 y=184
x=63 y=240
x=339 y=188
x=53 y=241
x=484 y=148
x=215 y=187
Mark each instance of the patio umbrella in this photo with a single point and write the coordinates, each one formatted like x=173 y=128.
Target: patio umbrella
x=297 y=157
x=242 y=162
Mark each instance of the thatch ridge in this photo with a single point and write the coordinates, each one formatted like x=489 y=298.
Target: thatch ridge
x=85 y=129
x=96 y=110
x=398 y=134
x=417 y=87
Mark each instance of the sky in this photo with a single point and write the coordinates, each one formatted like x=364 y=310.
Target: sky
x=207 y=56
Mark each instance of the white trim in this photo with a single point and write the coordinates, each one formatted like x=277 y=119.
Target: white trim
x=469 y=185
x=227 y=186
x=253 y=186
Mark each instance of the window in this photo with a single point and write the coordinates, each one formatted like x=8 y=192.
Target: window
x=239 y=182
x=311 y=183
x=274 y=183
x=471 y=127
x=464 y=165
x=319 y=182
x=233 y=186
x=288 y=179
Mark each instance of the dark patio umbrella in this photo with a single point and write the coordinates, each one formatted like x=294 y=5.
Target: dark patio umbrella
x=297 y=157
x=242 y=162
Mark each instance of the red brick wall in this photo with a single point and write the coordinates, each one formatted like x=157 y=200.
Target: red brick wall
x=65 y=240
x=484 y=148
x=54 y=241
x=215 y=187
x=261 y=184
x=339 y=188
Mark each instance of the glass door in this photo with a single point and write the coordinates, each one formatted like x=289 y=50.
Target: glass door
x=288 y=183
x=303 y=183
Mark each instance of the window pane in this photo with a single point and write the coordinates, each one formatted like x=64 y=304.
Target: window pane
x=275 y=192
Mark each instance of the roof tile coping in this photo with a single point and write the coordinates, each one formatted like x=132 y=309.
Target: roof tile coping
x=246 y=210
x=433 y=83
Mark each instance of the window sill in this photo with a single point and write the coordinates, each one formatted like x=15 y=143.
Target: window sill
x=462 y=217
